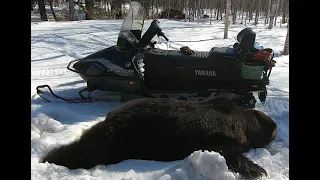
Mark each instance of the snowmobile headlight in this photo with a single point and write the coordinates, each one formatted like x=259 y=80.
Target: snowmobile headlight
x=132 y=82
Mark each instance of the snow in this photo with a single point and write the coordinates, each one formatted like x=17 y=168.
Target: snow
x=55 y=44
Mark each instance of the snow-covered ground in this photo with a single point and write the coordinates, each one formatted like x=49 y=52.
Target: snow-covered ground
x=55 y=44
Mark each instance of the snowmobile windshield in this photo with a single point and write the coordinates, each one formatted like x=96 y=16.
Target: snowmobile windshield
x=131 y=29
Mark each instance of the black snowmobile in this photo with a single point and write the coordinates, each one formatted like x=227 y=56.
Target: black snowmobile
x=135 y=66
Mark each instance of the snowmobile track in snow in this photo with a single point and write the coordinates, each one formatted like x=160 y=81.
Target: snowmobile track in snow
x=274 y=106
x=52 y=72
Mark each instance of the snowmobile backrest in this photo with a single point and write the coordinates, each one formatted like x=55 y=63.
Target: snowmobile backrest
x=246 y=38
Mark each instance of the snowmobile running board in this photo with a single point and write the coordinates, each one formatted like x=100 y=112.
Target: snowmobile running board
x=89 y=99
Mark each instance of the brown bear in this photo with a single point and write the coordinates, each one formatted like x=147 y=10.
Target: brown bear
x=168 y=130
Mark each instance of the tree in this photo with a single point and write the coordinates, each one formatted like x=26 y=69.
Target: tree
x=286 y=44
x=234 y=8
x=42 y=9
x=272 y=14
x=277 y=12
x=268 y=12
x=284 y=10
x=116 y=6
x=226 y=23
x=33 y=3
x=52 y=11
x=71 y=10
x=256 y=18
x=89 y=9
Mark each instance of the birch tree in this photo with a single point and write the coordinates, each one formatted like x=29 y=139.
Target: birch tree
x=277 y=12
x=272 y=14
x=226 y=23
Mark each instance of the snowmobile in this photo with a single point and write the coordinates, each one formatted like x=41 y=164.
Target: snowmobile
x=134 y=65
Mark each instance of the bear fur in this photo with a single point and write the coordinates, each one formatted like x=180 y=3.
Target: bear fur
x=168 y=130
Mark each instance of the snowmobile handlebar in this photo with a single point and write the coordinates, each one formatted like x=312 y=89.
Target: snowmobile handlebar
x=153 y=30
x=164 y=36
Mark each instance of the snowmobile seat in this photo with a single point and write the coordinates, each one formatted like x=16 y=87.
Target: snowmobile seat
x=160 y=54
x=172 y=55
x=171 y=63
x=178 y=70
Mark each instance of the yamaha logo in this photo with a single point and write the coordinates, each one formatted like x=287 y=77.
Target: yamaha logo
x=127 y=64
x=202 y=72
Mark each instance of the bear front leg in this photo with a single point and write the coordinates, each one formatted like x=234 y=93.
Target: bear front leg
x=237 y=162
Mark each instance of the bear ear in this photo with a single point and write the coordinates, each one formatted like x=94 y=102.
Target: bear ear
x=262 y=118
x=266 y=123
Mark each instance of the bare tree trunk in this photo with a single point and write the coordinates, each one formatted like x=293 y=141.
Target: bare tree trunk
x=146 y=5
x=218 y=12
x=89 y=9
x=277 y=12
x=242 y=9
x=71 y=10
x=56 y=3
x=245 y=20
x=115 y=8
x=194 y=14
x=272 y=14
x=198 y=11
x=52 y=11
x=284 y=11
x=210 y=15
x=157 y=10
x=169 y=7
x=42 y=9
x=280 y=22
x=286 y=44
x=268 y=14
x=186 y=15
x=242 y=17
x=202 y=7
x=251 y=10
x=152 y=9
x=256 y=18
x=234 y=11
x=226 y=23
